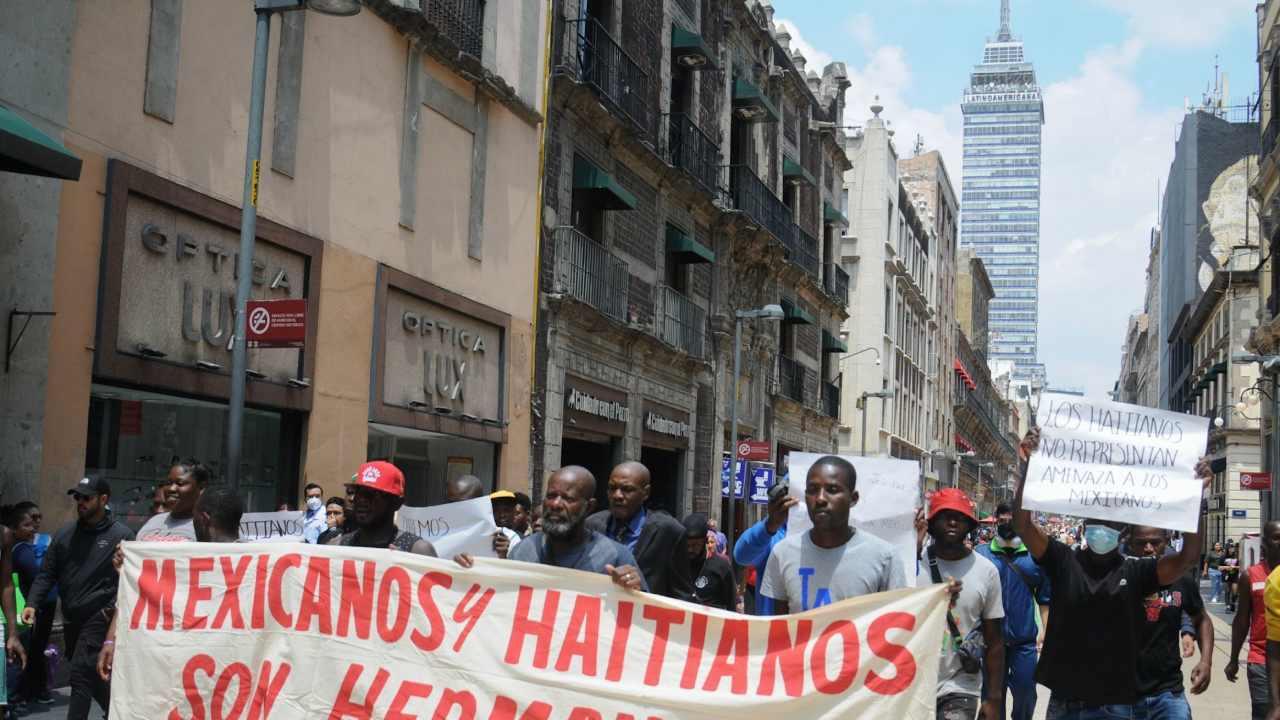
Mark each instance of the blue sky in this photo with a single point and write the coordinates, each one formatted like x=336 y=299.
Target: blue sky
x=1115 y=76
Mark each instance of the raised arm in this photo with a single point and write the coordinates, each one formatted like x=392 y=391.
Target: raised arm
x=1170 y=567
x=1032 y=535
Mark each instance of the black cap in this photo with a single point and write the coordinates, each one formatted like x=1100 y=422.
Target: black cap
x=695 y=525
x=91 y=487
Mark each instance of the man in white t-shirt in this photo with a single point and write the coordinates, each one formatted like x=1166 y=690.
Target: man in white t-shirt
x=974 y=641
x=182 y=488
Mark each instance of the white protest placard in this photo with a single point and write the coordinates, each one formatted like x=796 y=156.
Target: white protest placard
x=888 y=494
x=461 y=527
x=272 y=526
x=1112 y=461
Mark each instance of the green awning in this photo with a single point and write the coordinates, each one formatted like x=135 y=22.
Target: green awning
x=832 y=215
x=26 y=150
x=600 y=186
x=795 y=314
x=793 y=170
x=690 y=50
x=751 y=103
x=685 y=249
x=831 y=343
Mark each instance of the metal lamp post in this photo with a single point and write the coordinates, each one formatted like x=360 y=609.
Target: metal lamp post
x=959 y=457
x=264 y=9
x=883 y=395
x=980 y=466
x=771 y=313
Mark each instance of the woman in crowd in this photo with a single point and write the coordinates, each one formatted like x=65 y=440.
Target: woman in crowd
x=1213 y=571
x=1230 y=575
x=29 y=548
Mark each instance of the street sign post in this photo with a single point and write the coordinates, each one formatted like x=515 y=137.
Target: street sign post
x=277 y=323
x=738 y=475
x=753 y=450
x=761 y=481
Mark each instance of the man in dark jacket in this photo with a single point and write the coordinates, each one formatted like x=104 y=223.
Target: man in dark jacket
x=656 y=539
x=79 y=563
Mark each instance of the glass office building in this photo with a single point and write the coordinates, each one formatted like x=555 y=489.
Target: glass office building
x=1000 y=204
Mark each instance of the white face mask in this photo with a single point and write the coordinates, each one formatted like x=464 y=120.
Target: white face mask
x=314 y=504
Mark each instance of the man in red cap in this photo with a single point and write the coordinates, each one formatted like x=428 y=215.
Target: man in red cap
x=378 y=492
x=974 y=641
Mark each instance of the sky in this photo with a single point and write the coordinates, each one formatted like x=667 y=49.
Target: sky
x=1115 y=75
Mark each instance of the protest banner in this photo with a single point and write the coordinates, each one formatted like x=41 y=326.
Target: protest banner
x=461 y=527
x=1112 y=461
x=286 y=632
x=888 y=495
x=272 y=526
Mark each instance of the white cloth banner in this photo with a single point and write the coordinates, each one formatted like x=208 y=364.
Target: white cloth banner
x=461 y=527
x=888 y=495
x=291 y=632
x=272 y=526
x=1112 y=461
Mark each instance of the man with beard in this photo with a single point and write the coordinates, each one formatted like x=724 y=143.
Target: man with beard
x=565 y=541
x=713 y=584
x=1025 y=591
x=1250 y=621
x=653 y=537
x=378 y=489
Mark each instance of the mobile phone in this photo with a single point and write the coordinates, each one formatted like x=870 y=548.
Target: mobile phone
x=779 y=490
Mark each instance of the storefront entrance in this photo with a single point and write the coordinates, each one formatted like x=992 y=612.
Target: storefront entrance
x=598 y=457
x=665 y=472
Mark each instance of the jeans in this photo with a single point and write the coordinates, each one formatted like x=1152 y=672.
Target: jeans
x=84 y=638
x=1215 y=584
x=1075 y=710
x=1168 y=705
x=1259 y=690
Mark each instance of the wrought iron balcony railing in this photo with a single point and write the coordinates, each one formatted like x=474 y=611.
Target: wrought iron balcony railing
x=804 y=251
x=691 y=150
x=791 y=379
x=831 y=400
x=836 y=282
x=615 y=75
x=680 y=323
x=588 y=272
x=757 y=201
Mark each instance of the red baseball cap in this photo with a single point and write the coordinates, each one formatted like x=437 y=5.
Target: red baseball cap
x=380 y=476
x=951 y=499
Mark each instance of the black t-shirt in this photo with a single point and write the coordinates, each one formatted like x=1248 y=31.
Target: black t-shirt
x=1160 y=658
x=1091 y=645
x=713 y=585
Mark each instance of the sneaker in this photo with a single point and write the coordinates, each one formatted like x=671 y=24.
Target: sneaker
x=45 y=698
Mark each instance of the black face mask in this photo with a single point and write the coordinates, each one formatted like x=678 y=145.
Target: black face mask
x=1005 y=531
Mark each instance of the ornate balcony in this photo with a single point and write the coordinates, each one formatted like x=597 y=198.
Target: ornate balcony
x=791 y=379
x=831 y=400
x=589 y=273
x=757 y=201
x=679 y=322
x=803 y=251
x=836 y=282
x=692 y=150
x=615 y=75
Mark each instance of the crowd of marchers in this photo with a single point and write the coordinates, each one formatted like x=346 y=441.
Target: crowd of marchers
x=1102 y=616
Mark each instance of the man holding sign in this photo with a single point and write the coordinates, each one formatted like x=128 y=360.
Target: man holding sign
x=1098 y=595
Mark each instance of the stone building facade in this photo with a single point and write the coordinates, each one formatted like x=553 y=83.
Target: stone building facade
x=690 y=162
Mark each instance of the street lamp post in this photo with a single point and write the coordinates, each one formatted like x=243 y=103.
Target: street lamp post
x=883 y=395
x=960 y=456
x=771 y=313
x=980 y=466
x=263 y=9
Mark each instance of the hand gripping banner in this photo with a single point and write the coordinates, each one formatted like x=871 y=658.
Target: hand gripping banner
x=284 y=631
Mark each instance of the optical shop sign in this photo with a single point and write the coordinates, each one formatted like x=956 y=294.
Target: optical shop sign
x=1111 y=461
x=244 y=631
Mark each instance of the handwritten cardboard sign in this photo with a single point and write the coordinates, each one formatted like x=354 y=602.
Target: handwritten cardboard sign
x=461 y=527
x=272 y=526
x=1112 y=461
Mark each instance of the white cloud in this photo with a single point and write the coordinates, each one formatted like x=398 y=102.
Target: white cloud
x=1181 y=23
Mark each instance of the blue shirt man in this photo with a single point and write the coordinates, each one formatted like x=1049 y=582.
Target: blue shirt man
x=756 y=544
x=313 y=520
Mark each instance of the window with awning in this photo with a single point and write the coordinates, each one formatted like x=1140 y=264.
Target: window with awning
x=794 y=314
x=599 y=187
x=684 y=249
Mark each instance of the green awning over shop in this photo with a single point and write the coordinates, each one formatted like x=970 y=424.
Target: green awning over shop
x=794 y=170
x=833 y=344
x=685 y=249
x=600 y=186
x=832 y=215
x=751 y=103
x=26 y=150
x=793 y=313
x=690 y=50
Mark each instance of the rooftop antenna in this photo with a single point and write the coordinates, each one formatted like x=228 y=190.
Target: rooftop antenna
x=1005 y=34
x=919 y=148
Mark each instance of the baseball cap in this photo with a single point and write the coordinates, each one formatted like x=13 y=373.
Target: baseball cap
x=91 y=487
x=952 y=499
x=502 y=495
x=381 y=476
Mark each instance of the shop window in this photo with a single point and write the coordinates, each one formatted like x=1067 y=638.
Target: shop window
x=430 y=459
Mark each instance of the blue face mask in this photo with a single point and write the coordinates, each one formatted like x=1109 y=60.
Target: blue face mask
x=1101 y=539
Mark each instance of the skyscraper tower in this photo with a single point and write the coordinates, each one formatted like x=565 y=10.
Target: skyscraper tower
x=1000 y=202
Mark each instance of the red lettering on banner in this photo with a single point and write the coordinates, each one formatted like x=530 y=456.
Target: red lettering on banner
x=398 y=577
x=848 y=658
x=264 y=697
x=523 y=625
x=258 y=620
x=470 y=615
x=904 y=663
x=201 y=663
x=196 y=593
x=731 y=658
x=345 y=706
x=582 y=638
x=504 y=708
x=244 y=688
x=232 y=578
x=156 y=584
x=408 y=691
x=429 y=643
x=581 y=713
x=316 y=598
x=784 y=657
x=618 y=647
x=693 y=658
x=464 y=701
x=356 y=600
x=663 y=619
x=278 y=613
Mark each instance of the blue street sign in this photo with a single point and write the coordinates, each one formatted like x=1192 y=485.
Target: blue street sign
x=1239 y=513
x=761 y=481
x=740 y=479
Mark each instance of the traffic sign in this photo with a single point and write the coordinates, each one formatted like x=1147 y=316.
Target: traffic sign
x=753 y=450
x=738 y=475
x=761 y=481
x=276 y=323
x=1255 y=481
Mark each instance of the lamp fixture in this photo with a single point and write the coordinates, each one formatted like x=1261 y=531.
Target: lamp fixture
x=300 y=383
x=146 y=350
x=419 y=406
x=254 y=374
x=208 y=365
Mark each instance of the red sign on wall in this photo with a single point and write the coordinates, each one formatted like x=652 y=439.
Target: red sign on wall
x=276 y=323
x=753 y=449
x=1255 y=481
